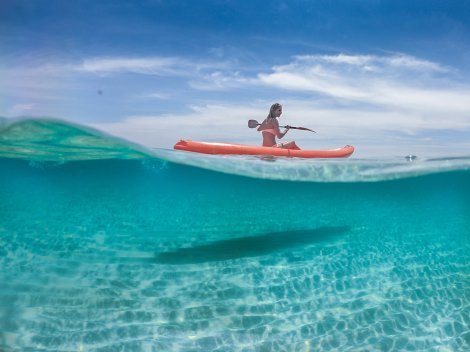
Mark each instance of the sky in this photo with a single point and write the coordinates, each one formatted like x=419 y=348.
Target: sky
x=390 y=77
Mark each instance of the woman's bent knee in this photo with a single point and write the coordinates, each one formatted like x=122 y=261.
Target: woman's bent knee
x=288 y=145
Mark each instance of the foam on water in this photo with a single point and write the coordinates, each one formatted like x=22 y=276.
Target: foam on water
x=107 y=246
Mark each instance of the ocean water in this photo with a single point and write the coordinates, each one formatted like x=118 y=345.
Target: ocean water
x=109 y=246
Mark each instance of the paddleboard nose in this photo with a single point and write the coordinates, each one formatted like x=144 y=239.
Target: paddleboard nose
x=181 y=145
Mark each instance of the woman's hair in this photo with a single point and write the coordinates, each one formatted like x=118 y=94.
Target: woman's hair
x=273 y=108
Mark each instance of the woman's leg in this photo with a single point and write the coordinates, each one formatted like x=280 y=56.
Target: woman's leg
x=289 y=145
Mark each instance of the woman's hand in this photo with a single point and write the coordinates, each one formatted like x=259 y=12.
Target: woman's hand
x=287 y=128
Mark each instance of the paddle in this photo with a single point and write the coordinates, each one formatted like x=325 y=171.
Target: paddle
x=254 y=124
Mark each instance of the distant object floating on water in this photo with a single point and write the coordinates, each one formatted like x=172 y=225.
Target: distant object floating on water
x=411 y=157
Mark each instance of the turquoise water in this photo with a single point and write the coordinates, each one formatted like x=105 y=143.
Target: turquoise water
x=108 y=246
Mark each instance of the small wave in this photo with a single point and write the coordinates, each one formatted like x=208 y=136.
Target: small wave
x=51 y=140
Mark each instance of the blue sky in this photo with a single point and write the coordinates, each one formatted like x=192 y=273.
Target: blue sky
x=387 y=76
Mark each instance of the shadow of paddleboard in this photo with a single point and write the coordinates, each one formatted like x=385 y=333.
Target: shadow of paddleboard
x=251 y=246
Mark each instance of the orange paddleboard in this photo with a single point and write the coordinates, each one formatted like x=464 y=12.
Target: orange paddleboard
x=242 y=149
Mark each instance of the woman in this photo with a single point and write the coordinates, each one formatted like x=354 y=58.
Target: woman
x=270 y=129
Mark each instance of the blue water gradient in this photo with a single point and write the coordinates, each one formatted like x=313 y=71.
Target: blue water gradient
x=106 y=247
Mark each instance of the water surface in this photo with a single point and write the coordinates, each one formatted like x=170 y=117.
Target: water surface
x=106 y=245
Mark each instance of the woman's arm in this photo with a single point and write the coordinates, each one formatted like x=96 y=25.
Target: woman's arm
x=278 y=131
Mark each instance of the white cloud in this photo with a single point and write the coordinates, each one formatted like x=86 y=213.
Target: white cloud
x=380 y=62
x=154 y=95
x=20 y=109
x=399 y=83
x=218 y=80
x=164 y=66
x=148 y=66
x=410 y=62
x=204 y=76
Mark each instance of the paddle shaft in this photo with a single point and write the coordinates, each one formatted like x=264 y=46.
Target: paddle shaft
x=254 y=124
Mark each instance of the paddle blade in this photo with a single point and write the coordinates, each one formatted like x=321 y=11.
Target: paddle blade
x=305 y=129
x=253 y=123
